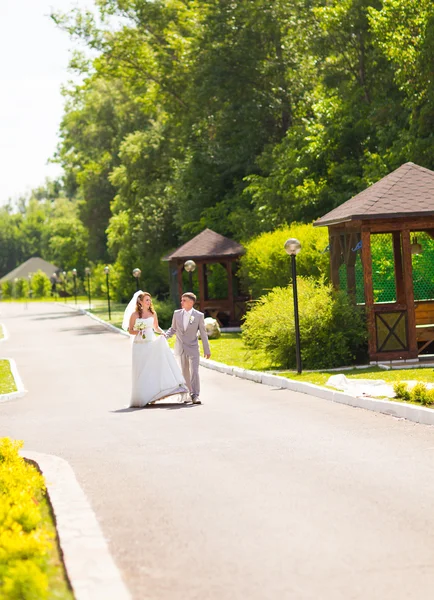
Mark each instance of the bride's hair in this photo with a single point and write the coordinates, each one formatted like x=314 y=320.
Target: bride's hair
x=139 y=306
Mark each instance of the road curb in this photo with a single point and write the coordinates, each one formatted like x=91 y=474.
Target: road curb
x=400 y=410
x=21 y=390
x=91 y=570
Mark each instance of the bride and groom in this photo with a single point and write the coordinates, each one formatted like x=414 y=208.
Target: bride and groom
x=156 y=374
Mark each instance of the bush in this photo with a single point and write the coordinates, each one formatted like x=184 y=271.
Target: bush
x=420 y=394
x=164 y=309
x=332 y=330
x=401 y=391
x=266 y=265
x=24 y=544
x=6 y=288
x=40 y=285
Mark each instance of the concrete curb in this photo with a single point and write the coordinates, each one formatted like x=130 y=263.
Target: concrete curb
x=400 y=410
x=83 y=311
x=21 y=390
x=5 y=333
x=91 y=570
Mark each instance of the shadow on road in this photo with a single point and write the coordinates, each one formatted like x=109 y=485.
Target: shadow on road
x=91 y=330
x=164 y=405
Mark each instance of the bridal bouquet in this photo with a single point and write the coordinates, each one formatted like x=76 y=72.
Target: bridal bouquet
x=141 y=326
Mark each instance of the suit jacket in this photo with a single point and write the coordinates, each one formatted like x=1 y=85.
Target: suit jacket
x=186 y=340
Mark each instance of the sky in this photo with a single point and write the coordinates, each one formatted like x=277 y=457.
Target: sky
x=34 y=56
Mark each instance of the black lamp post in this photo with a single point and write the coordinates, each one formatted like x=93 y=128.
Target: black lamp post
x=190 y=267
x=293 y=247
x=107 y=271
x=64 y=283
x=74 y=275
x=87 y=272
x=136 y=273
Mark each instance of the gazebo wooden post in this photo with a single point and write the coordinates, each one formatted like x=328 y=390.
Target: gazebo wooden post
x=230 y=290
x=335 y=257
x=201 y=279
x=180 y=288
x=399 y=271
x=369 y=292
x=409 y=293
x=350 y=261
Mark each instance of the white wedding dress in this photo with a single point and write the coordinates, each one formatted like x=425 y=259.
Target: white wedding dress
x=156 y=373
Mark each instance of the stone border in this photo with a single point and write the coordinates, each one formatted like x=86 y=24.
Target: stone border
x=399 y=410
x=21 y=390
x=91 y=570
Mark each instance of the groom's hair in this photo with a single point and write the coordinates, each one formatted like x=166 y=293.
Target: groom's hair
x=189 y=295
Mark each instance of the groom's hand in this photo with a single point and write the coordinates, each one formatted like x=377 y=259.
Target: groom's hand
x=207 y=355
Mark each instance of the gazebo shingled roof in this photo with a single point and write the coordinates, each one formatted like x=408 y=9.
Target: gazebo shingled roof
x=407 y=191
x=207 y=244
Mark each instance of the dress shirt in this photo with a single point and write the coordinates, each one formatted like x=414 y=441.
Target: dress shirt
x=186 y=317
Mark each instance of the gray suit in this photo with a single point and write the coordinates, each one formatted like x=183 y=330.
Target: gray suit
x=187 y=345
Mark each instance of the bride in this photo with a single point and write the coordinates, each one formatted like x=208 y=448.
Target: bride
x=156 y=373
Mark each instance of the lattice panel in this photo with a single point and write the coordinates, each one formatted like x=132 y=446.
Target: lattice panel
x=423 y=267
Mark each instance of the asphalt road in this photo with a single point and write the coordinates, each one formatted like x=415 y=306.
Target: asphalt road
x=257 y=494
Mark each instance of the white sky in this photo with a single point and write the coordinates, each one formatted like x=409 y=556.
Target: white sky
x=34 y=56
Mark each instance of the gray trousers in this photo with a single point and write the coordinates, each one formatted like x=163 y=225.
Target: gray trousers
x=190 y=371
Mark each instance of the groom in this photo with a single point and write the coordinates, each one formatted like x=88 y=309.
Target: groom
x=185 y=325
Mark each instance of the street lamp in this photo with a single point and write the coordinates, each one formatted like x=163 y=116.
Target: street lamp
x=136 y=273
x=107 y=271
x=293 y=247
x=87 y=272
x=74 y=275
x=190 y=267
x=64 y=283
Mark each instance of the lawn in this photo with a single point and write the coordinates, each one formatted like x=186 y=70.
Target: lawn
x=7 y=382
x=425 y=374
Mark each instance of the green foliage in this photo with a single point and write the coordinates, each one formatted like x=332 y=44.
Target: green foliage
x=7 y=289
x=24 y=543
x=401 y=391
x=266 y=265
x=332 y=330
x=40 y=285
x=421 y=395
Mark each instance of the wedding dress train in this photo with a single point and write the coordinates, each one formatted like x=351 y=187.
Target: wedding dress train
x=156 y=373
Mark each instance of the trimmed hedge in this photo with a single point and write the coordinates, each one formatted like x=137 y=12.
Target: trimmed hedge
x=25 y=545
x=332 y=330
x=266 y=265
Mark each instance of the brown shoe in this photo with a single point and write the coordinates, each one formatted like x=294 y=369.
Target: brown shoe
x=195 y=399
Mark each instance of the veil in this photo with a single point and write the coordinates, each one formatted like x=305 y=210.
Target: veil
x=130 y=309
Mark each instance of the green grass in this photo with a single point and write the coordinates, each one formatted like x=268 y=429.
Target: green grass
x=425 y=374
x=7 y=382
x=58 y=582
x=100 y=309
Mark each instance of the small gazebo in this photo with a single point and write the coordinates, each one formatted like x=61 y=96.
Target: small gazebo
x=382 y=252
x=211 y=250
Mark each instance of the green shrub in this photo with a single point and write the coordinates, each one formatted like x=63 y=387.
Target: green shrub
x=332 y=330
x=164 y=309
x=266 y=265
x=40 y=285
x=6 y=288
x=420 y=394
x=430 y=395
x=401 y=391
x=24 y=543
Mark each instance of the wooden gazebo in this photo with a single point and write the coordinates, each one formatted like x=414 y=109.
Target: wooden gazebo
x=375 y=251
x=206 y=249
